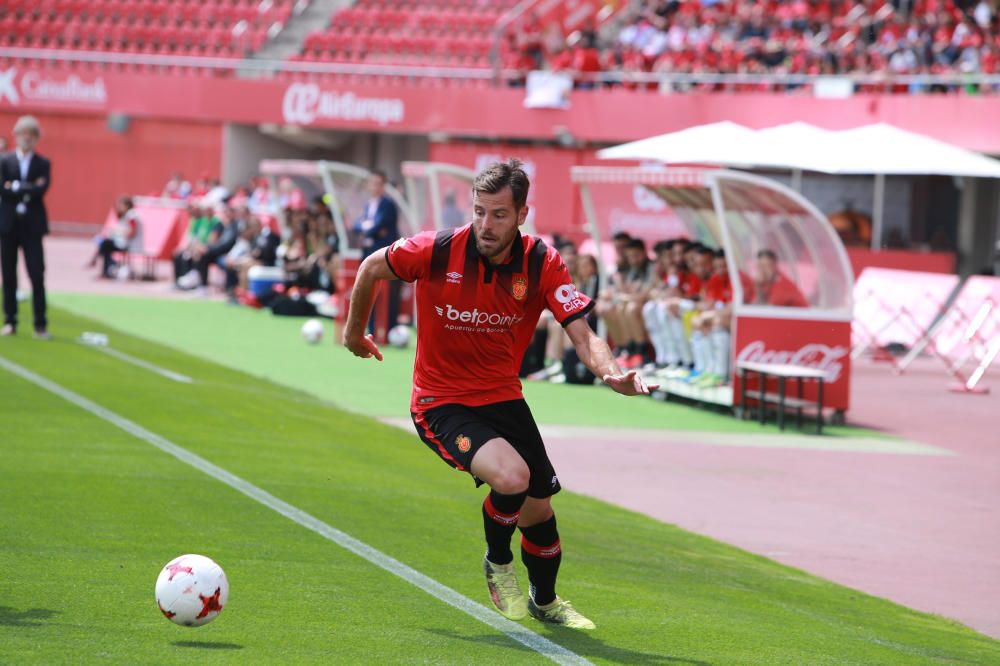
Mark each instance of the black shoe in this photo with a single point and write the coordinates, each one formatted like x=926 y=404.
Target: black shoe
x=42 y=334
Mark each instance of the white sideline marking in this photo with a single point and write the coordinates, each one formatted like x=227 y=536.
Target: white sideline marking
x=163 y=372
x=540 y=644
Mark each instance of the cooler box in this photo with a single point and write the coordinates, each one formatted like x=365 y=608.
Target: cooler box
x=262 y=279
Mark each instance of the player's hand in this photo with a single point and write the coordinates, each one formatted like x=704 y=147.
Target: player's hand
x=363 y=347
x=629 y=384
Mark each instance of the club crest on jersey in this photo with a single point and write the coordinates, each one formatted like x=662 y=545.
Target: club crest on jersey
x=519 y=287
x=463 y=443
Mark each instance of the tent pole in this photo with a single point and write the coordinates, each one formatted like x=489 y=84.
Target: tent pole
x=797 y=180
x=878 y=208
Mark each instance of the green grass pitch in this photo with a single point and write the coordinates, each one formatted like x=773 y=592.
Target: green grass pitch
x=89 y=514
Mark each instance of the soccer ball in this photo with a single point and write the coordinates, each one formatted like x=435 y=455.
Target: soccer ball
x=399 y=336
x=191 y=590
x=312 y=331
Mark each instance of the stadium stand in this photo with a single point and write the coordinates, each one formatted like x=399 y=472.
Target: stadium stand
x=220 y=28
x=439 y=32
x=804 y=37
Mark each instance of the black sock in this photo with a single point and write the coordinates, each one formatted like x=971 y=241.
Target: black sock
x=541 y=554
x=500 y=514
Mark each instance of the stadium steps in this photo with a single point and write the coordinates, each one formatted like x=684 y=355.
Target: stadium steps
x=289 y=41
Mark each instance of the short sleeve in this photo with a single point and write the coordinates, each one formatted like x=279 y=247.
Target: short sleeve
x=409 y=258
x=561 y=296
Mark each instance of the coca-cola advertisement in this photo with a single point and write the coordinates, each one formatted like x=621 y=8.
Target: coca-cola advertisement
x=824 y=345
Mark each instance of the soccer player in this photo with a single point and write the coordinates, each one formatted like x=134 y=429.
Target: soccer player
x=480 y=290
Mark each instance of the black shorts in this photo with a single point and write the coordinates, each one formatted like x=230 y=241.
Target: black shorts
x=456 y=432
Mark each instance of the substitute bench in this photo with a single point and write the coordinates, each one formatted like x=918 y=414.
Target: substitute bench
x=782 y=372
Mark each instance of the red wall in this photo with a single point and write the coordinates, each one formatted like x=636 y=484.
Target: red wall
x=905 y=260
x=92 y=165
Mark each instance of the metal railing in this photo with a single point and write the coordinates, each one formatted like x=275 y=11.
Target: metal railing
x=664 y=81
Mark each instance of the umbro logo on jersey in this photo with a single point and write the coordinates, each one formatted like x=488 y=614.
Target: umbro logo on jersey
x=453 y=277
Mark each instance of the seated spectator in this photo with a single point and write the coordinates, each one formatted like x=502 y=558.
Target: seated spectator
x=710 y=337
x=125 y=236
x=622 y=303
x=200 y=227
x=771 y=287
x=256 y=246
x=556 y=338
x=667 y=320
x=176 y=187
x=220 y=241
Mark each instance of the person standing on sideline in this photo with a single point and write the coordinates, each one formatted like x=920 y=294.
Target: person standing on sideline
x=480 y=291
x=24 y=179
x=378 y=228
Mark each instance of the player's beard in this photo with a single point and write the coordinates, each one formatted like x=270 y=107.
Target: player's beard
x=499 y=244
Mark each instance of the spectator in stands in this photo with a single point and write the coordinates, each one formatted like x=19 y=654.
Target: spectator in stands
x=799 y=37
x=587 y=62
x=176 y=187
x=771 y=287
x=124 y=236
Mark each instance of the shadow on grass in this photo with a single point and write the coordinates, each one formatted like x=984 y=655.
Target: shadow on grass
x=583 y=644
x=33 y=617
x=208 y=645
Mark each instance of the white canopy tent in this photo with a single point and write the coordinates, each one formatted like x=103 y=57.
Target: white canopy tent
x=878 y=149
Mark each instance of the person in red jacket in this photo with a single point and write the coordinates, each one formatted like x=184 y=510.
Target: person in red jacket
x=772 y=287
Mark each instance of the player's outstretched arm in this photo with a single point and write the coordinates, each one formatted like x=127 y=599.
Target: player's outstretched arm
x=597 y=356
x=372 y=271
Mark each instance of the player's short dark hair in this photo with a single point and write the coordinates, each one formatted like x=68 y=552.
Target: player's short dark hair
x=767 y=254
x=720 y=254
x=499 y=175
x=693 y=247
x=621 y=236
x=381 y=174
x=663 y=246
x=704 y=249
x=635 y=244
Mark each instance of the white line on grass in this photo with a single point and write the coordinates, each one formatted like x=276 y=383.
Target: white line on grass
x=163 y=372
x=540 y=644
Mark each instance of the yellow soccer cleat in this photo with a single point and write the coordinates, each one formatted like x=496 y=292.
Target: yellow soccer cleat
x=505 y=590
x=559 y=612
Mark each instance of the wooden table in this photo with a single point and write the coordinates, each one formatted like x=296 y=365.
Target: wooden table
x=783 y=372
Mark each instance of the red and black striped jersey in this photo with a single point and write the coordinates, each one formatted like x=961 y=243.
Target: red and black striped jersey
x=475 y=320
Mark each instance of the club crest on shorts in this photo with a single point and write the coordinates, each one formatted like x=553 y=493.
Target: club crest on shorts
x=519 y=287
x=463 y=443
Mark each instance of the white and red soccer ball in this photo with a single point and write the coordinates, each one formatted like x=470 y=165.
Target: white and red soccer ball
x=192 y=590
x=312 y=331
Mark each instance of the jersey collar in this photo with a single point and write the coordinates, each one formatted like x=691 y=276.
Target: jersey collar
x=515 y=263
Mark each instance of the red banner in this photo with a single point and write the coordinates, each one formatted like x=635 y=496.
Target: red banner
x=824 y=345
x=467 y=110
